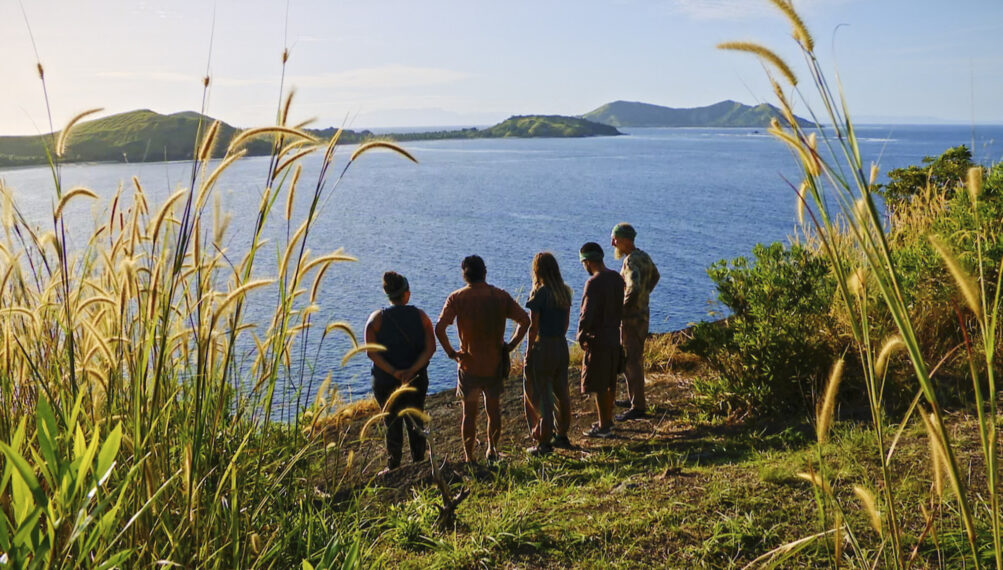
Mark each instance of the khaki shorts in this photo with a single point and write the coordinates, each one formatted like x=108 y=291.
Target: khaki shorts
x=469 y=385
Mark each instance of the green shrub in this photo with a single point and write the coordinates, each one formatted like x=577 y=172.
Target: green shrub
x=774 y=348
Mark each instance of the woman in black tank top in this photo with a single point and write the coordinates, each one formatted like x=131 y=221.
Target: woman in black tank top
x=407 y=334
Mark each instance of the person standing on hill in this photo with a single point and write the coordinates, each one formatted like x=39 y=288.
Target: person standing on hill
x=640 y=276
x=406 y=333
x=480 y=311
x=546 y=367
x=599 y=335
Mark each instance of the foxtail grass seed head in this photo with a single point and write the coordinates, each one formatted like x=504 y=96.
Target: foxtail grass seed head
x=798 y=29
x=870 y=507
x=857 y=283
x=208 y=141
x=416 y=414
x=816 y=480
x=369 y=423
x=825 y=412
x=800 y=205
x=974 y=183
x=874 y=175
x=892 y=344
x=64 y=136
x=765 y=54
x=937 y=462
x=969 y=290
x=366 y=147
x=397 y=394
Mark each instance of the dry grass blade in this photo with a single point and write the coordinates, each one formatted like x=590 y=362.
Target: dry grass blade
x=764 y=53
x=71 y=195
x=366 y=147
x=781 y=553
x=64 y=135
x=964 y=281
x=825 y=412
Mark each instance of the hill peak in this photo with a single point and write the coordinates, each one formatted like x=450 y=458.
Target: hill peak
x=725 y=113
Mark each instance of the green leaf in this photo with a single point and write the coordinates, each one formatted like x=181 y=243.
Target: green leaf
x=108 y=451
x=115 y=560
x=24 y=470
x=79 y=443
x=47 y=442
x=307 y=565
x=85 y=463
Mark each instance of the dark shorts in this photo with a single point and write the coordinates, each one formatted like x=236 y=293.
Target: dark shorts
x=599 y=369
x=470 y=385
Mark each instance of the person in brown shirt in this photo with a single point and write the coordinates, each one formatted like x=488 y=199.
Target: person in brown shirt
x=599 y=335
x=480 y=311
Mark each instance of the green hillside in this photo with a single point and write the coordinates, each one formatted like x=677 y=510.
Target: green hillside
x=549 y=126
x=723 y=114
x=147 y=136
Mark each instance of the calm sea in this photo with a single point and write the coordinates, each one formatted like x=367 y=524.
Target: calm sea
x=694 y=195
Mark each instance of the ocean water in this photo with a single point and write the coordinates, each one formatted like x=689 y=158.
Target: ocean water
x=694 y=195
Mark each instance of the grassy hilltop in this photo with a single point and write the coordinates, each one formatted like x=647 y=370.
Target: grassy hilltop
x=723 y=114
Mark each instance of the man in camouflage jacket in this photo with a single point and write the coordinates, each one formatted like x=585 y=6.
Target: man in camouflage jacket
x=640 y=276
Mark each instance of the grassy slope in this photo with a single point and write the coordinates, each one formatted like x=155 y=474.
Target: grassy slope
x=679 y=491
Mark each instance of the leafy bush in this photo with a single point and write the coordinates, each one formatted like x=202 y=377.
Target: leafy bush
x=774 y=348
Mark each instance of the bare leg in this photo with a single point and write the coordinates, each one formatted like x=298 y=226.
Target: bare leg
x=468 y=425
x=492 y=405
x=604 y=405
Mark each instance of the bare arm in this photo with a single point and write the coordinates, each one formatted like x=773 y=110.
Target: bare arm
x=372 y=329
x=445 y=319
x=517 y=314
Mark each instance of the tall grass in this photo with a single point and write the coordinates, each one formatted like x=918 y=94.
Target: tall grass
x=838 y=193
x=138 y=417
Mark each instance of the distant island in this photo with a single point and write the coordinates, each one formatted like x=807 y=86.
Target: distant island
x=723 y=114
x=147 y=136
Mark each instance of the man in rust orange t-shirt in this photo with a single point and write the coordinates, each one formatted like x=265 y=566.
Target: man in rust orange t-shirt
x=480 y=311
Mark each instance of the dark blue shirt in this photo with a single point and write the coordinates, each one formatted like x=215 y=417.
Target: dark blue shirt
x=552 y=317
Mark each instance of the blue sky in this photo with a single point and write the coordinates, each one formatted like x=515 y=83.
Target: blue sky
x=378 y=63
